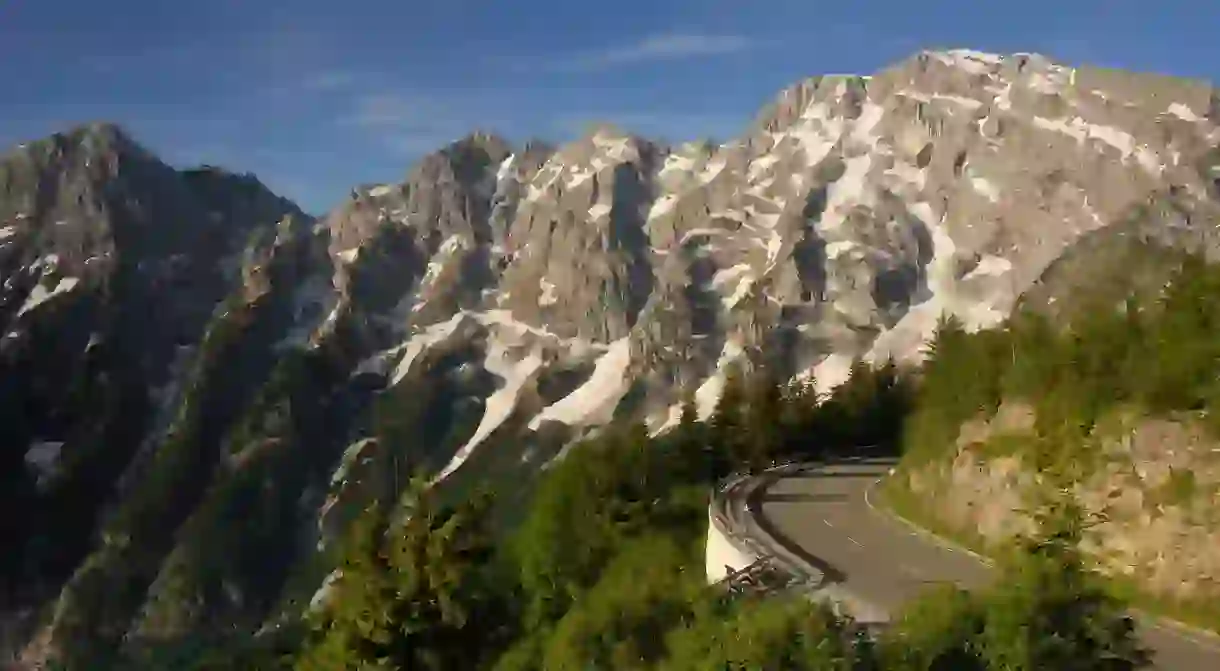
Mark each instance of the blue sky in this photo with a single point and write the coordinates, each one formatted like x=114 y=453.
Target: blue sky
x=317 y=95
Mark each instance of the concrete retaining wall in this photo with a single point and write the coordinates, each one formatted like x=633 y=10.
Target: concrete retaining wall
x=723 y=555
x=735 y=540
x=738 y=535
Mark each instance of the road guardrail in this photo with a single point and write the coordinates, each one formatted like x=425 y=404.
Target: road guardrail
x=733 y=512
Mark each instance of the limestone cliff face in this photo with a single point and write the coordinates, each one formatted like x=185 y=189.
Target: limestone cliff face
x=854 y=213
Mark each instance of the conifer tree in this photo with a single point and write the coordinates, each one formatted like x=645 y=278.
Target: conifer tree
x=938 y=631
x=763 y=421
x=412 y=592
x=1050 y=611
x=728 y=424
x=694 y=456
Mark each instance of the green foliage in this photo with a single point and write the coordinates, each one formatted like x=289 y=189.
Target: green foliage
x=1150 y=351
x=621 y=621
x=960 y=379
x=241 y=538
x=591 y=502
x=866 y=410
x=761 y=440
x=1180 y=488
x=939 y=631
x=1046 y=611
x=173 y=476
x=272 y=651
x=1050 y=612
x=1156 y=354
x=106 y=403
x=108 y=587
x=610 y=554
x=730 y=426
x=414 y=591
x=772 y=634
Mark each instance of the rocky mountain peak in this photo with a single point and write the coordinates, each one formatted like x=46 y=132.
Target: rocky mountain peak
x=855 y=200
x=88 y=210
x=100 y=136
x=94 y=151
x=487 y=141
x=842 y=92
x=471 y=156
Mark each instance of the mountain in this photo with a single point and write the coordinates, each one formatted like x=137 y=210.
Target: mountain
x=113 y=265
x=202 y=384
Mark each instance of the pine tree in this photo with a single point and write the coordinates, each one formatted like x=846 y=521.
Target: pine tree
x=938 y=631
x=1050 y=611
x=729 y=423
x=693 y=454
x=763 y=424
x=412 y=588
x=891 y=406
x=353 y=628
x=960 y=379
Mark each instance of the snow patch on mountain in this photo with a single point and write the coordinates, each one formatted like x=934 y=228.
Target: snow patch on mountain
x=515 y=373
x=1083 y=131
x=43 y=457
x=968 y=60
x=670 y=419
x=325 y=590
x=830 y=372
x=417 y=344
x=727 y=275
x=506 y=167
x=1184 y=113
x=986 y=188
x=904 y=342
x=548 y=296
x=708 y=394
x=40 y=294
x=594 y=401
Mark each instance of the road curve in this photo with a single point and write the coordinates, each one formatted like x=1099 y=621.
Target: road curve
x=824 y=513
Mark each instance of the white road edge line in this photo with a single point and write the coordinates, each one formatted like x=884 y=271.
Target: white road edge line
x=1184 y=631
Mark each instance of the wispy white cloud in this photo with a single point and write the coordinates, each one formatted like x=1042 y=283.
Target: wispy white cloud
x=661 y=47
x=327 y=80
x=389 y=110
x=416 y=124
x=315 y=83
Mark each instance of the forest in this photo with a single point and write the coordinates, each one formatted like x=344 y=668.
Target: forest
x=605 y=570
x=1157 y=354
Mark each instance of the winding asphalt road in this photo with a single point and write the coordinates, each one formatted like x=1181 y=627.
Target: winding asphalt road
x=825 y=513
